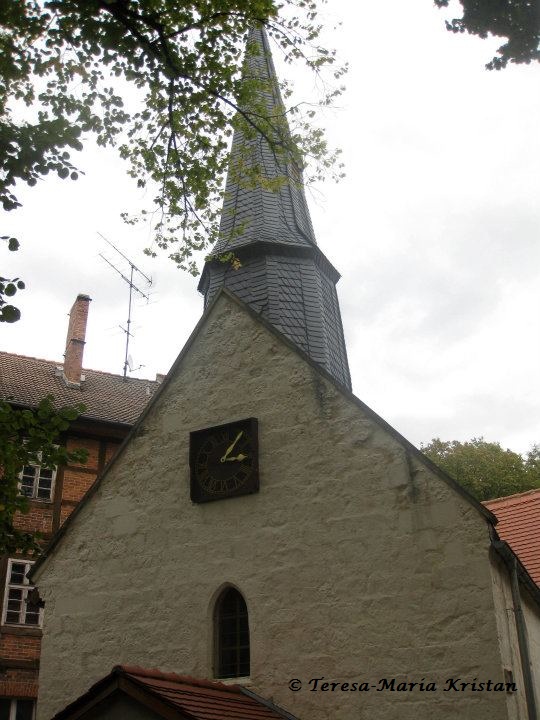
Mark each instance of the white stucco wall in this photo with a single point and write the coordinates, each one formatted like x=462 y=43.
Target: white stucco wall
x=355 y=564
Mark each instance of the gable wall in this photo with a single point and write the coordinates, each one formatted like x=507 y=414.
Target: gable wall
x=356 y=562
x=120 y=707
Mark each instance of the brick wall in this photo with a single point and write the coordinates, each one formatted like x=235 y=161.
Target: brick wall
x=18 y=683
x=91 y=445
x=77 y=480
x=20 y=646
x=76 y=483
x=39 y=518
x=65 y=512
x=75 y=339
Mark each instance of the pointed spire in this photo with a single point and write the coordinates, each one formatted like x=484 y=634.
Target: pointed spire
x=251 y=212
x=265 y=221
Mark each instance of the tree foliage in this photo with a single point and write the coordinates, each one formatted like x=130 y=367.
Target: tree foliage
x=8 y=288
x=484 y=468
x=75 y=63
x=516 y=20
x=29 y=437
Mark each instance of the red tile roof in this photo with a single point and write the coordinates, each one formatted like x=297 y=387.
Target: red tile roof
x=27 y=380
x=202 y=698
x=191 y=697
x=519 y=526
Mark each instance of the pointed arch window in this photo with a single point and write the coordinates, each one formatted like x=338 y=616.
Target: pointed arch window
x=232 y=635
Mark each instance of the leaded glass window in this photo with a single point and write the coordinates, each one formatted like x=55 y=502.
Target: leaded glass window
x=232 y=635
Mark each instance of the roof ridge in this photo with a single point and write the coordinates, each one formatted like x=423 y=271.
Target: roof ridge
x=213 y=699
x=156 y=674
x=30 y=357
x=515 y=496
x=116 y=375
x=57 y=363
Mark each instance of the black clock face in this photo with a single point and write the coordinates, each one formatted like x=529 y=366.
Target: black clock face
x=223 y=461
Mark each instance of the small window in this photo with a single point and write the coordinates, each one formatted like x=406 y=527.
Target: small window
x=16 y=709
x=37 y=482
x=232 y=635
x=18 y=608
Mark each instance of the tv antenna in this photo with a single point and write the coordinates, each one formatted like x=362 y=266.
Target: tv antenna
x=128 y=362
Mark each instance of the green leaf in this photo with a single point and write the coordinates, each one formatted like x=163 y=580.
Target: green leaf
x=9 y=314
x=25 y=435
x=185 y=61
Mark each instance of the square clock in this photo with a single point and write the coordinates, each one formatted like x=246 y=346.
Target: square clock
x=224 y=461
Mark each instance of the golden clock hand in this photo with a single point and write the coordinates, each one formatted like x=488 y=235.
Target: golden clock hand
x=236 y=457
x=229 y=450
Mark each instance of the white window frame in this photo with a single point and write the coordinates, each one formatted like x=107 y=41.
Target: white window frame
x=13 y=707
x=26 y=586
x=37 y=475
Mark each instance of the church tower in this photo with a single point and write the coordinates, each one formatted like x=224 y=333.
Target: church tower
x=283 y=275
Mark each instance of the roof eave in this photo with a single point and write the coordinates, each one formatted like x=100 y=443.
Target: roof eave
x=509 y=556
x=85 y=418
x=267 y=247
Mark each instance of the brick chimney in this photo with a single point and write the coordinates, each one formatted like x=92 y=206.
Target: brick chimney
x=73 y=356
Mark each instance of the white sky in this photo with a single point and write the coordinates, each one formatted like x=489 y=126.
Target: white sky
x=434 y=229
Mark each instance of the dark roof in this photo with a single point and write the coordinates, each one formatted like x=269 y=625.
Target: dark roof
x=108 y=398
x=278 y=217
x=519 y=526
x=283 y=274
x=191 y=698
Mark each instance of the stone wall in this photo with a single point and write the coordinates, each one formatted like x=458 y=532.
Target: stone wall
x=356 y=561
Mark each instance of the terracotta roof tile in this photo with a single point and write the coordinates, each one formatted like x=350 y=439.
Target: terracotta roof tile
x=191 y=697
x=108 y=398
x=203 y=699
x=519 y=526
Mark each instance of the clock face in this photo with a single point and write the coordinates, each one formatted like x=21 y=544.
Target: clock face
x=224 y=461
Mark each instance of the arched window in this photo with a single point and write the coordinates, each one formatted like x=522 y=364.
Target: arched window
x=232 y=635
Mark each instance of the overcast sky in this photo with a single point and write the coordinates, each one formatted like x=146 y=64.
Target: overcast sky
x=435 y=231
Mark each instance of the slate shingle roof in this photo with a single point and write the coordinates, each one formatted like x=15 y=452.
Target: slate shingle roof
x=27 y=380
x=190 y=697
x=277 y=217
x=519 y=526
x=284 y=276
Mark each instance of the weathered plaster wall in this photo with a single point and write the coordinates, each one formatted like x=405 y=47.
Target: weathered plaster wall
x=356 y=565
x=508 y=638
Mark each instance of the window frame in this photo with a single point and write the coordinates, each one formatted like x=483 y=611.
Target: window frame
x=238 y=646
x=13 y=706
x=37 y=467
x=26 y=586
